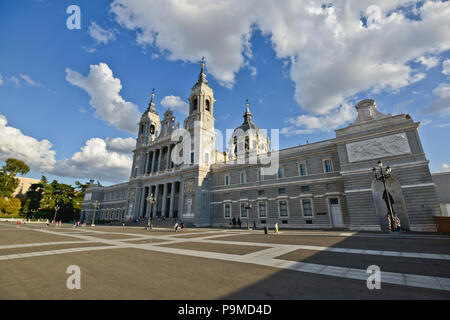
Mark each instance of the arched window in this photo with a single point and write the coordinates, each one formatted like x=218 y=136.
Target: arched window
x=152 y=129
x=207 y=105
x=194 y=104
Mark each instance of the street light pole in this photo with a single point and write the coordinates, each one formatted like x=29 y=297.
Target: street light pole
x=382 y=175
x=151 y=201
x=96 y=205
x=248 y=207
x=56 y=211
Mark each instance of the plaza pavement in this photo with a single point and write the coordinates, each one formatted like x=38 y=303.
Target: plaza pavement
x=133 y=263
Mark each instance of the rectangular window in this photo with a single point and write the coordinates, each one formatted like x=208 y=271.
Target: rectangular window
x=262 y=213
x=261 y=192
x=227 y=210
x=259 y=175
x=243 y=210
x=192 y=157
x=135 y=171
x=206 y=157
x=280 y=173
x=302 y=169
x=304 y=189
x=227 y=180
x=327 y=166
x=243 y=177
x=283 y=208
x=307 y=208
x=281 y=191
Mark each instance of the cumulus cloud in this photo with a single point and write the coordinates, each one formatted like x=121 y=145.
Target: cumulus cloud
x=307 y=124
x=97 y=162
x=445 y=167
x=332 y=54
x=14 y=144
x=446 y=67
x=104 y=91
x=441 y=102
x=428 y=62
x=101 y=35
x=175 y=103
x=30 y=81
x=120 y=145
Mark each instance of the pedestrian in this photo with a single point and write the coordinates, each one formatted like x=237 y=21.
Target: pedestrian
x=182 y=226
x=397 y=223
x=234 y=222
x=48 y=223
x=176 y=226
x=276 y=227
x=239 y=222
x=389 y=221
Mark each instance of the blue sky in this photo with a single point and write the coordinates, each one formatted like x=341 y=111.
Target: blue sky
x=302 y=66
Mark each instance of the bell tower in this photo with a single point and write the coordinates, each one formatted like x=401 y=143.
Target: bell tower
x=149 y=124
x=200 y=121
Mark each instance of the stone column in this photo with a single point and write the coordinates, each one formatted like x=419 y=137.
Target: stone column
x=172 y=198
x=147 y=156
x=153 y=161
x=141 y=202
x=168 y=158
x=164 y=200
x=159 y=159
x=155 y=205
x=181 y=200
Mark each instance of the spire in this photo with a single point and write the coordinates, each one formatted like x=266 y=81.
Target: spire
x=247 y=115
x=151 y=105
x=202 y=75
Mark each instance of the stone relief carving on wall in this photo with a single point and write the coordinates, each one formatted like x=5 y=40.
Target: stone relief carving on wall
x=392 y=145
x=189 y=186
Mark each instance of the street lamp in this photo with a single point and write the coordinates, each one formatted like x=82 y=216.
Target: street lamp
x=56 y=211
x=151 y=201
x=382 y=175
x=248 y=207
x=96 y=205
x=33 y=211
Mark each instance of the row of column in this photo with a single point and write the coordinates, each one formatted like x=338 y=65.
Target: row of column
x=155 y=189
x=154 y=160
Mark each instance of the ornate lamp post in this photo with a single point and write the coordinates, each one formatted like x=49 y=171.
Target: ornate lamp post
x=33 y=211
x=96 y=205
x=56 y=211
x=248 y=207
x=150 y=201
x=382 y=175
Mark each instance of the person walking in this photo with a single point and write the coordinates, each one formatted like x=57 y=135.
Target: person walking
x=276 y=227
x=176 y=226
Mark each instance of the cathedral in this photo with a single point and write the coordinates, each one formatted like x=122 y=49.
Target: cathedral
x=177 y=173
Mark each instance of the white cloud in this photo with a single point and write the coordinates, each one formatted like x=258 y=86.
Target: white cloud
x=30 y=81
x=175 y=103
x=104 y=91
x=38 y=155
x=120 y=145
x=445 y=167
x=441 y=103
x=428 y=62
x=332 y=55
x=446 y=67
x=14 y=80
x=101 y=35
x=307 y=124
x=88 y=50
x=97 y=162
x=1 y=79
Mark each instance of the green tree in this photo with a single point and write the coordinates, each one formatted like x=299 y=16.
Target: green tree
x=9 y=206
x=8 y=180
x=33 y=199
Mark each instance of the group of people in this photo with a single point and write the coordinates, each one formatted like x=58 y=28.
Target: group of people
x=393 y=222
x=178 y=226
x=236 y=223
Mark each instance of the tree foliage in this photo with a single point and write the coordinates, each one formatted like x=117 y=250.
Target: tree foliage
x=8 y=180
x=9 y=206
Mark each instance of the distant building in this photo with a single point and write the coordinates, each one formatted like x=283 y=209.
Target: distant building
x=22 y=188
x=442 y=181
x=326 y=184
